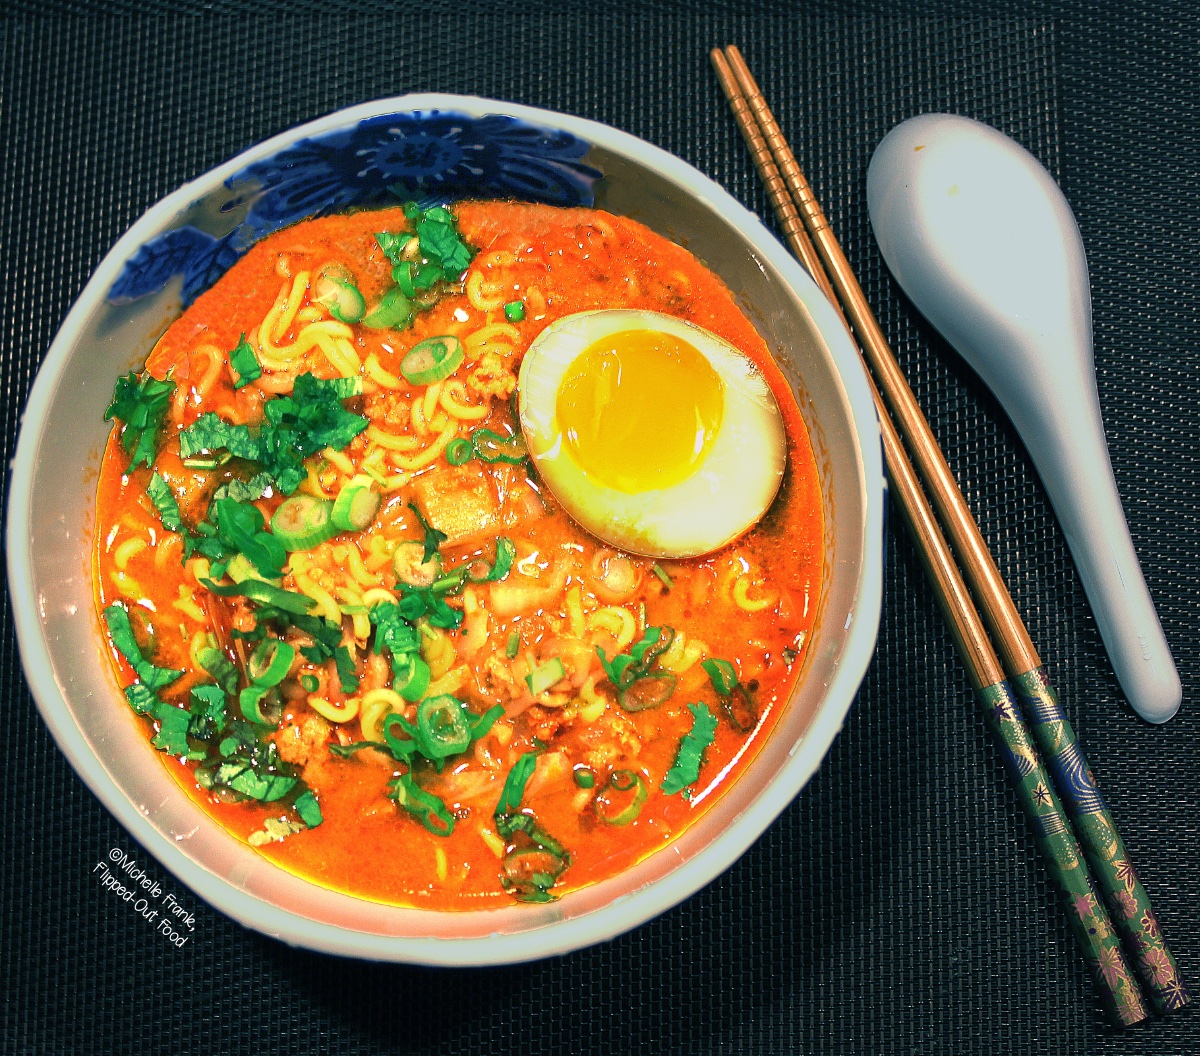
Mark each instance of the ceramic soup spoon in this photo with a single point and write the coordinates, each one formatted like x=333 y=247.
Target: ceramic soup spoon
x=982 y=240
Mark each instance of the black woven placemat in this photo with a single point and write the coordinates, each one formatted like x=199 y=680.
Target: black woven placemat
x=898 y=905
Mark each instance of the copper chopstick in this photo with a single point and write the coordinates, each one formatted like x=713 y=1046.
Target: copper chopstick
x=1051 y=729
x=776 y=165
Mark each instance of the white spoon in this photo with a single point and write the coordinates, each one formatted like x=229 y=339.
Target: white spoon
x=984 y=243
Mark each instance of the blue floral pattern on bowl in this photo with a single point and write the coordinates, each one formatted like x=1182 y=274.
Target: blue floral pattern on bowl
x=427 y=156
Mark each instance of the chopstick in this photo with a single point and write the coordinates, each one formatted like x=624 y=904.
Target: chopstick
x=804 y=223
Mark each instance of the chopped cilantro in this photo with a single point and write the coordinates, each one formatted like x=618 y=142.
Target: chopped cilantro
x=266 y=788
x=309 y=809
x=241 y=527
x=210 y=432
x=392 y=244
x=691 y=750
x=141 y=699
x=392 y=630
x=245 y=363
x=121 y=632
x=207 y=716
x=217 y=664
x=164 y=501
x=440 y=242
x=347 y=672
x=244 y=491
x=140 y=404
x=433 y=538
x=416 y=602
x=442 y=255
x=172 y=729
x=294 y=427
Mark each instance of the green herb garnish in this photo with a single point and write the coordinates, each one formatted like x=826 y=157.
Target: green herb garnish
x=309 y=809
x=207 y=717
x=140 y=403
x=439 y=240
x=173 y=723
x=686 y=769
x=244 y=363
x=164 y=501
x=514 y=785
x=433 y=538
x=722 y=675
x=121 y=631
x=294 y=427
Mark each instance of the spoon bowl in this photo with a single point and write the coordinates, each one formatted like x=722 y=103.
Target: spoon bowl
x=983 y=242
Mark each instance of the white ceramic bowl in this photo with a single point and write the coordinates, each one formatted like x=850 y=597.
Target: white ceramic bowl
x=434 y=145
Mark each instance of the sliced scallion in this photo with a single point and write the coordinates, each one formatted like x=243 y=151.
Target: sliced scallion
x=411 y=676
x=303 y=521
x=545 y=675
x=433 y=359
x=270 y=662
x=722 y=675
x=622 y=798
x=493 y=447
x=459 y=451
x=411 y=566
x=443 y=726
x=393 y=312
x=336 y=291
x=356 y=505
x=257 y=705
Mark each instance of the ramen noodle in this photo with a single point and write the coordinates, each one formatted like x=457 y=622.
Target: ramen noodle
x=356 y=624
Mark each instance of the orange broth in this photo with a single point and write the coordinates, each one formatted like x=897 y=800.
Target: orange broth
x=556 y=601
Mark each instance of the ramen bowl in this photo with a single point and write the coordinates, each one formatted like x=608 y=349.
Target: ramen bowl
x=428 y=148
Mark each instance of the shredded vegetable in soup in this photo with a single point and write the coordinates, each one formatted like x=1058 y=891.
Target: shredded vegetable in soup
x=348 y=590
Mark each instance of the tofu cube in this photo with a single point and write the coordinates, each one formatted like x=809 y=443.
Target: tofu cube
x=460 y=501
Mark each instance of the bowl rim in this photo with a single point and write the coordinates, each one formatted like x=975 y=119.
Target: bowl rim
x=572 y=933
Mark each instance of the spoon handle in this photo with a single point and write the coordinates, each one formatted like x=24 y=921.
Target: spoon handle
x=1071 y=454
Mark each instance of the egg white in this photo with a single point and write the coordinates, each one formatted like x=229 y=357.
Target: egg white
x=729 y=489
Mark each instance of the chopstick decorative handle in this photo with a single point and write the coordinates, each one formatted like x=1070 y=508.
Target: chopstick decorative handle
x=1092 y=925
x=1115 y=875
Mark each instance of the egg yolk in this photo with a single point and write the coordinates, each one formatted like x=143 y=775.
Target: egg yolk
x=639 y=409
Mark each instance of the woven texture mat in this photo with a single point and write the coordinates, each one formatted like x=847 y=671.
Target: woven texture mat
x=898 y=906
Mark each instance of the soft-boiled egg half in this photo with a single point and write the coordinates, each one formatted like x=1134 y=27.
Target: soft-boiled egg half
x=657 y=436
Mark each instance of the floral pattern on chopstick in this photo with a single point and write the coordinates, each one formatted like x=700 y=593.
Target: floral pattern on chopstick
x=1101 y=842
